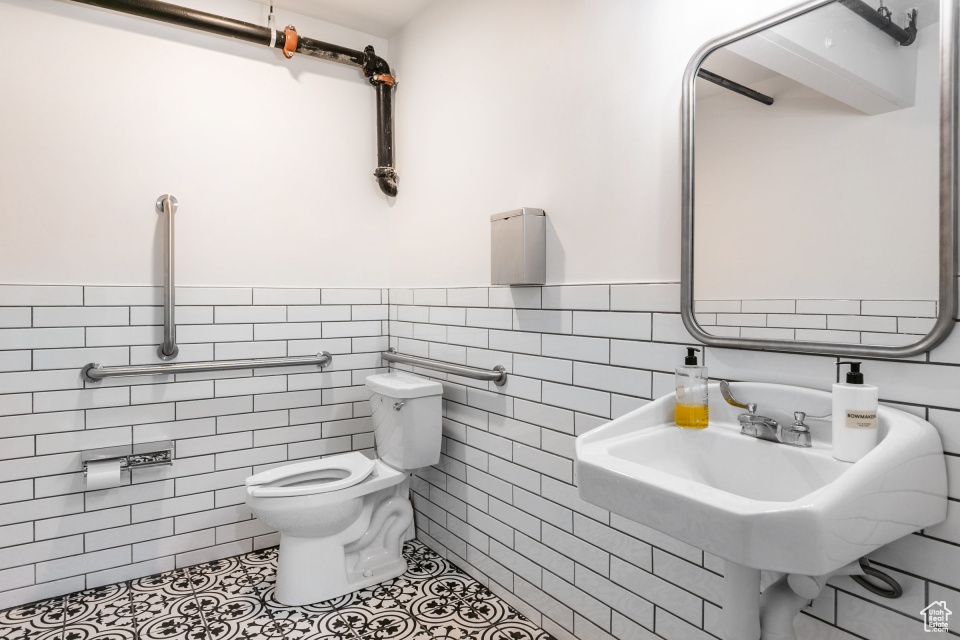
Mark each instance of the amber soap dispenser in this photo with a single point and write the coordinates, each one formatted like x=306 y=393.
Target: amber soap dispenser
x=692 y=407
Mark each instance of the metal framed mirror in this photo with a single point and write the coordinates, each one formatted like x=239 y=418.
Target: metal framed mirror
x=820 y=176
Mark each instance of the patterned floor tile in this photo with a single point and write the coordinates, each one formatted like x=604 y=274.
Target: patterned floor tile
x=449 y=611
x=29 y=620
x=489 y=611
x=171 y=583
x=516 y=629
x=230 y=609
x=106 y=607
x=395 y=593
x=266 y=556
x=172 y=625
x=315 y=609
x=383 y=624
x=446 y=632
x=423 y=564
x=234 y=599
x=456 y=586
x=261 y=627
x=300 y=625
x=216 y=575
x=90 y=630
x=160 y=614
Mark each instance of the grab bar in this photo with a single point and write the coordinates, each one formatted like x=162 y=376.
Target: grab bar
x=167 y=205
x=497 y=375
x=94 y=372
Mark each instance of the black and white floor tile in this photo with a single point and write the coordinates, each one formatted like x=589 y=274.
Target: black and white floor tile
x=232 y=599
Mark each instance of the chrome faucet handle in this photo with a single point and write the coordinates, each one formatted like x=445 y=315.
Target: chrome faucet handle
x=799 y=433
x=728 y=396
x=799 y=416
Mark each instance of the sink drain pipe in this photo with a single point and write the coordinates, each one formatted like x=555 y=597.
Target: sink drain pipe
x=770 y=616
x=374 y=68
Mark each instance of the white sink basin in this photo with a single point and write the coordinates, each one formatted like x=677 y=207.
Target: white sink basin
x=760 y=504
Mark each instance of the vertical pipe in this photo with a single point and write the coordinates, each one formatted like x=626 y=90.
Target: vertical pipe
x=741 y=602
x=167 y=205
x=385 y=173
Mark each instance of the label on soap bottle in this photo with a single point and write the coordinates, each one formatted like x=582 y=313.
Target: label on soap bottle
x=861 y=419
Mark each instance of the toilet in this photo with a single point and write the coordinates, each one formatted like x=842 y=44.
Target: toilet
x=343 y=519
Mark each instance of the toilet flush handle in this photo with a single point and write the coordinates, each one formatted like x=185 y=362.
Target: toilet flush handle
x=398 y=405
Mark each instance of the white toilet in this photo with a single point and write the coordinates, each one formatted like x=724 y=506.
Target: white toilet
x=342 y=519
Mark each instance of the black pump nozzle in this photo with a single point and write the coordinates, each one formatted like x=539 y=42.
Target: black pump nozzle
x=691 y=356
x=853 y=376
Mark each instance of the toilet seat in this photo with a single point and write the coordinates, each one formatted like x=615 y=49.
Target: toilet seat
x=312 y=477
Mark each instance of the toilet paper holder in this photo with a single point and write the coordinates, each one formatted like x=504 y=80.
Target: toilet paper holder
x=137 y=456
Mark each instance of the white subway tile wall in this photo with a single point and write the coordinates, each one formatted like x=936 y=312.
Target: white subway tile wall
x=54 y=536
x=877 y=322
x=503 y=501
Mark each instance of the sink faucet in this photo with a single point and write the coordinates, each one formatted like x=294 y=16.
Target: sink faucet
x=757 y=426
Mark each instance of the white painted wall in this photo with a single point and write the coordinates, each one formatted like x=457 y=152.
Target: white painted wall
x=568 y=105
x=272 y=160
x=834 y=203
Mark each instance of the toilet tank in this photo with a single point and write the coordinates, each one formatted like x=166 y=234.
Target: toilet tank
x=406 y=418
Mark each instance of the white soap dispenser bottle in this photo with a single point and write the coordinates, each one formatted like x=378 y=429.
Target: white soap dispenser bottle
x=854 y=416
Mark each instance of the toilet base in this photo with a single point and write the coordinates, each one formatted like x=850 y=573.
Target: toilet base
x=369 y=551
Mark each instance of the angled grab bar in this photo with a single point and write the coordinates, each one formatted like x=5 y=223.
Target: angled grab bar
x=167 y=206
x=94 y=372
x=497 y=375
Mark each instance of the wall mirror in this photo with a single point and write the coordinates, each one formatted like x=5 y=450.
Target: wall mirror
x=820 y=180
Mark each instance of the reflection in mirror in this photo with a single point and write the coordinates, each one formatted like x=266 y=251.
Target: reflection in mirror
x=817 y=216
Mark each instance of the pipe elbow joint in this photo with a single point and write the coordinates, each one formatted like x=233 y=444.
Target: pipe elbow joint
x=387 y=178
x=911 y=36
x=375 y=67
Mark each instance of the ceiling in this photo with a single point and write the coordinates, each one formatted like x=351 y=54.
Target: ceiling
x=376 y=17
x=384 y=17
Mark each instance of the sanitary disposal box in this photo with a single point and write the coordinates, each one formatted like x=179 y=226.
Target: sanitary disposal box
x=518 y=247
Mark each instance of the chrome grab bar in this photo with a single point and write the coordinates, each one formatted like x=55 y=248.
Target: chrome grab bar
x=167 y=205
x=94 y=372
x=497 y=375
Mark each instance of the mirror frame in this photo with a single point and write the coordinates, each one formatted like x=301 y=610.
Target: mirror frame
x=947 y=303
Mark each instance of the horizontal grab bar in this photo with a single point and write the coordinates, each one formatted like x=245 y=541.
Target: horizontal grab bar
x=497 y=375
x=93 y=372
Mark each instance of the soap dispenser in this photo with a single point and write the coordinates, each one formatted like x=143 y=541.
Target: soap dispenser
x=854 y=416
x=692 y=411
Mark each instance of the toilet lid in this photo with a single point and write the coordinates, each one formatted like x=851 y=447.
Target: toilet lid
x=312 y=477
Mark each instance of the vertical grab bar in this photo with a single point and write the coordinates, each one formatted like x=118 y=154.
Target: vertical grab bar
x=167 y=205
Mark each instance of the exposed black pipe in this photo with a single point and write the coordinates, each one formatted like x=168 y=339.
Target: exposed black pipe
x=327 y=51
x=385 y=173
x=736 y=87
x=185 y=17
x=881 y=19
x=374 y=68
x=377 y=69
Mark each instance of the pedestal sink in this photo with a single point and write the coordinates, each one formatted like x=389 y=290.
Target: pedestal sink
x=760 y=505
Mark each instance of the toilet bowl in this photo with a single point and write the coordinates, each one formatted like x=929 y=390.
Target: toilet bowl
x=342 y=519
